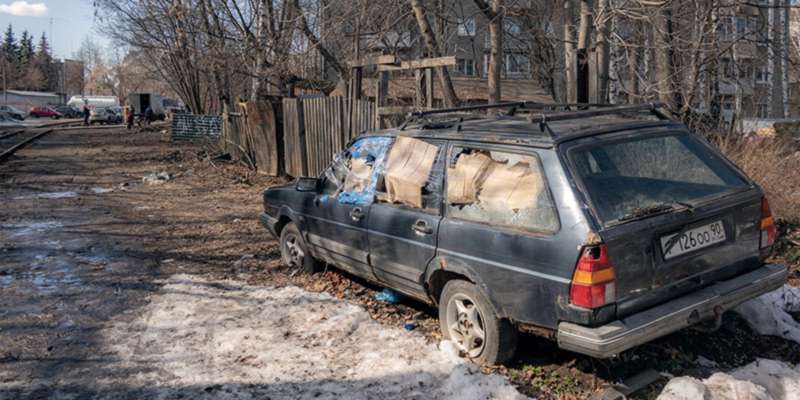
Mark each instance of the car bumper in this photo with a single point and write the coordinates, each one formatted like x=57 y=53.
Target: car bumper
x=269 y=222
x=613 y=338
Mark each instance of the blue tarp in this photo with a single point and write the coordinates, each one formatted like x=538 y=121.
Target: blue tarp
x=373 y=150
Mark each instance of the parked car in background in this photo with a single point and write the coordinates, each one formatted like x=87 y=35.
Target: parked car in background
x=104 y=115
x=45 y=112
x=603 y=229
x=13 y=112
x=69 y=111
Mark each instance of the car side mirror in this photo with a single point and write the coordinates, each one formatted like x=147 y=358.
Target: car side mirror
x=306 y=184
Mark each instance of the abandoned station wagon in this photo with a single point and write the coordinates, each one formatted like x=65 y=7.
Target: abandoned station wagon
x=602 y=228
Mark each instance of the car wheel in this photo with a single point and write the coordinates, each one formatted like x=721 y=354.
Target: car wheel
x=294 y=252
x=468 y=320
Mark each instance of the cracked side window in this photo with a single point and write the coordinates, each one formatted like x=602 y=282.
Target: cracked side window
x=499 y=188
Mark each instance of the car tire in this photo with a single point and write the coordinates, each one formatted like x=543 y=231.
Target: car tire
x=462 y=306
x=294 y=251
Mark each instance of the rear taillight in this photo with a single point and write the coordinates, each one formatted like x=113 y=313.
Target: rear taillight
x=768 y=231
x=593 y=281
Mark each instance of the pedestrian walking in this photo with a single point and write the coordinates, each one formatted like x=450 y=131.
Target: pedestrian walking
x=129 y=117
x=86 y=115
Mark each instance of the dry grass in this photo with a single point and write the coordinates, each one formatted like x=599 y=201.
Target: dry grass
x=774 y=163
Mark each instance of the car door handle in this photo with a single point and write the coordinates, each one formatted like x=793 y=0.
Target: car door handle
x=357 y=214
x=422 y=227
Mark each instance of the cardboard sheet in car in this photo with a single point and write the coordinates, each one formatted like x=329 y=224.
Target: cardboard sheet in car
x=358 y=177
x=407 y=170
x=510 y=186
x=464 y=180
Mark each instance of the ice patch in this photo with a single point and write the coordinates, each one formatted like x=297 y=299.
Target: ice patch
x=284 y=343
x=51 y=195
x=31 y=228
x=768 y=314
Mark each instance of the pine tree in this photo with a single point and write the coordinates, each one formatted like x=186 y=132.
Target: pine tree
x=26 y=50
x=43 y=62
x=9 y=52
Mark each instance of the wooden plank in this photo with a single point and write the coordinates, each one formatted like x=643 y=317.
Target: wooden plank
x=367 y=61
x=429 y=87
x=420 y=63
x=397 y=110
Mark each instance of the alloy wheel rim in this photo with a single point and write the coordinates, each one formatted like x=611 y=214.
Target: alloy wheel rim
x=465 y=325
x=294 y=253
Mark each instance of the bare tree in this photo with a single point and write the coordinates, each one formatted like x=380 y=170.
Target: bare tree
x=494 y=14
x=449 y=93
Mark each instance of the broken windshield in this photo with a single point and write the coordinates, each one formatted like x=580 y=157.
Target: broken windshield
x=650 y=175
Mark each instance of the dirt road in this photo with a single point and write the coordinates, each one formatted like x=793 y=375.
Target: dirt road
x=115 y=286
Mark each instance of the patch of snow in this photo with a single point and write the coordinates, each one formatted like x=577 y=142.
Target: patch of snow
x=261 y=342
x=156 y=178
x=768 y=314
x=759 y=380
x=100 y=190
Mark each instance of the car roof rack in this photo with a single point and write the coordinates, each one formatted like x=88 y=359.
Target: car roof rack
x=543 y=117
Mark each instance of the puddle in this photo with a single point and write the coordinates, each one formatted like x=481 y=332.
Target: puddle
x=30 y=228
x=51 y=195
x=47 y=275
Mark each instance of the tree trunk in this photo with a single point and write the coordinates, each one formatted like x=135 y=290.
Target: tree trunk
x=585 y=29
x=449 y=93
x=259 y=80
x=776 y=59
x=327 y=55
x=494 y=13
x=603 y=21
x=496 y=52
x=663 y=49
x=569 y=52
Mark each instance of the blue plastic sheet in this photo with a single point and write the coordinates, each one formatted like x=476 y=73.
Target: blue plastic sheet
x=374 y=150
x=388 y=296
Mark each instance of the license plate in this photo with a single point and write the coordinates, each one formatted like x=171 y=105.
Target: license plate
x=693 y=239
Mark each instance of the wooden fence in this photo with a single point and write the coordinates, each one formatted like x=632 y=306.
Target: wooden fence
x=315 y=129
x=252 y=133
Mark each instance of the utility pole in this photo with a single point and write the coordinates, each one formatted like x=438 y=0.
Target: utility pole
x=5 y=84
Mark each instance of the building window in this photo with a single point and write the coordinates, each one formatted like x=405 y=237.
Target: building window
x=727 y=105
x=516 y=64
x=466 y=26
x=762 y=110
x=512 y=27
x=465 y=66
x=741 y=26
x=762 y=74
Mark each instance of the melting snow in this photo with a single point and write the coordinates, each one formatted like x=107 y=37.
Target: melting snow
x=255 y=342
x=51 y=195
x=762 y=379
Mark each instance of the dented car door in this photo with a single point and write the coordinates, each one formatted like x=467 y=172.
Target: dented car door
x=404 y=220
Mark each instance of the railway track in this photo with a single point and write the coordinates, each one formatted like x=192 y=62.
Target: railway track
x=15 y=140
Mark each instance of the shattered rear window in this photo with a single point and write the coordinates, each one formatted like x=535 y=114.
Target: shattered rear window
x=499 y=188
x=647 y=171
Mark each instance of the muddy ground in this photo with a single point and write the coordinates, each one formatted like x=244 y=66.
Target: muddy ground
x=85 y=243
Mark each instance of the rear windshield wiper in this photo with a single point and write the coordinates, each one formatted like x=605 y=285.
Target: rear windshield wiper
x=653 y=210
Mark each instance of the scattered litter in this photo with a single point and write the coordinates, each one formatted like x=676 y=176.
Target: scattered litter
x=409 y=326
x=388 y=296
x=156 y=178
x=236 y=220
x=704 y=362
x=243 y=259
